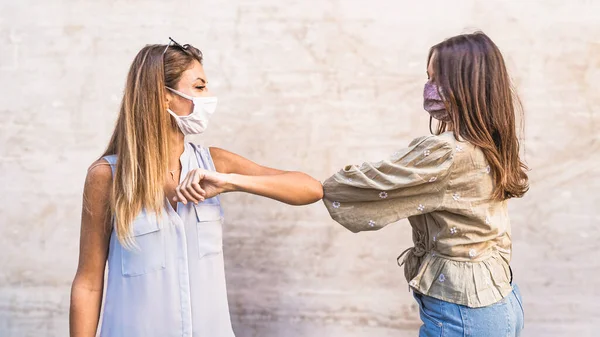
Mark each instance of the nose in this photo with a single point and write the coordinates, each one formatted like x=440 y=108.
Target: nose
x=208 y=93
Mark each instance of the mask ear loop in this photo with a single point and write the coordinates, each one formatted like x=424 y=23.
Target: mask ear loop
x=181 y=94
x=430 y=120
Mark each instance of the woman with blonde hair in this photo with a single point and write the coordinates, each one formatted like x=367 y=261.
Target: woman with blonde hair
x=151 y=208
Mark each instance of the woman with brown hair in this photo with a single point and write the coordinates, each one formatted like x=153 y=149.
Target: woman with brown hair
x=151 y=210
x=453 y=187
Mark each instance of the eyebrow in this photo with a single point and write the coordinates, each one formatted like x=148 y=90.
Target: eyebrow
x=201 y=79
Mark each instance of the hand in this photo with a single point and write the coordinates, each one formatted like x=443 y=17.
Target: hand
x=199 y=185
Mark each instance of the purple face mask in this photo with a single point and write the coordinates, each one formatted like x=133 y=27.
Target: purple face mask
x=434 y=103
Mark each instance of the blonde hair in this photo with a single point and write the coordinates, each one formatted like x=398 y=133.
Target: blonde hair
x=140 y=137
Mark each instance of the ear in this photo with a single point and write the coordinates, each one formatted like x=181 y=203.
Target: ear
x=168 y=98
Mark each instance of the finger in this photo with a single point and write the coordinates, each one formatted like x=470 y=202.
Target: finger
x=201 y=198
x=187 y=194
x=182 y=187
x=180 y=195
x=198 y=189
x=195 y=184
x=192 y=191
x=193 y=177
x=185 y=188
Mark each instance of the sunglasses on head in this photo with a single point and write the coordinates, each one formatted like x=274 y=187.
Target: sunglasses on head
x=188 y=48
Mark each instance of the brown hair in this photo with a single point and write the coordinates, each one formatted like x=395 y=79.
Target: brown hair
x=470 y=71
x=140 y=137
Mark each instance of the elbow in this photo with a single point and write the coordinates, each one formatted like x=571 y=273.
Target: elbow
x=318 y=191
x=315 y=192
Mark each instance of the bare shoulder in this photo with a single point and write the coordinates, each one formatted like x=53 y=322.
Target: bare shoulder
x=98 y=180
x=99 y=171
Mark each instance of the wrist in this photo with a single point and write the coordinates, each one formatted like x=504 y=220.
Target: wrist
x=230 y=182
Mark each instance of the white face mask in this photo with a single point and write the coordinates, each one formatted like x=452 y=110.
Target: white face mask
x=196 y=122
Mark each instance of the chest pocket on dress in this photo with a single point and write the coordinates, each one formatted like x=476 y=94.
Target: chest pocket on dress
x=210 y=229
x=148 y=254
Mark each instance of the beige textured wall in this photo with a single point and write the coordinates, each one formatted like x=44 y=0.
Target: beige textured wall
x=308 y=85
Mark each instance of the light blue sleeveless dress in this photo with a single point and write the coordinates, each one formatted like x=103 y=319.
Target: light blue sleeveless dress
x=173 y=283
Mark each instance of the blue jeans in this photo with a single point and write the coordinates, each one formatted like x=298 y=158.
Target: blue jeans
x=445 y=319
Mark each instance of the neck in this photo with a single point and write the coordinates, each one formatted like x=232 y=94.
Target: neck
x=176 y=146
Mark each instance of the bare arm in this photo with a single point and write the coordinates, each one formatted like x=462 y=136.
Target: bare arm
x=292 y=188
x=88 y=284
x=243 y=175
x=229 y=162
x=236 y=173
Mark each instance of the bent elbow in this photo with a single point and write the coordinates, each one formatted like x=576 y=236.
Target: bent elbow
x=318 y=191
x=314 y=192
